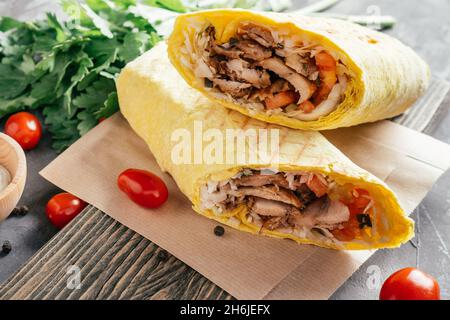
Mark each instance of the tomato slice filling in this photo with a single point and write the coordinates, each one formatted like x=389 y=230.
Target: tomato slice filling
x=359 y=218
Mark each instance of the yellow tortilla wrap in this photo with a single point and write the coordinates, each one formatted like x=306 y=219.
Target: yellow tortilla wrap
x=161 y=107
x=384 y=76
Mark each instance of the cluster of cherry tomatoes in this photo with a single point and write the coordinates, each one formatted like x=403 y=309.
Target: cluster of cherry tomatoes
x=26 y=129
x=142 y=187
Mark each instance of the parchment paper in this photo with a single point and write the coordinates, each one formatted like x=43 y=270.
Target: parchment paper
x=246 y=266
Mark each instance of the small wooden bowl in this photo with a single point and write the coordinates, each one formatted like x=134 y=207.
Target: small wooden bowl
x=13 y=159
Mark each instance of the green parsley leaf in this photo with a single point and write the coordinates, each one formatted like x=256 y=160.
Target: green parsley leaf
x=7 y=23
x=87 y=122
x=13 y=81
x=20 y=103
x=67 y=69
x=134 y=44
x=110 y=106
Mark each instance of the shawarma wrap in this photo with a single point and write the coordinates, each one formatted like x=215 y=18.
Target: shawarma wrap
x=301 y=72
x=307 y=191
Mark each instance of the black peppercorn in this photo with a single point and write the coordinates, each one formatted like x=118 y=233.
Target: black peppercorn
x=6 y=247
x=23 y=210
x=20 y=211
x=219 y=231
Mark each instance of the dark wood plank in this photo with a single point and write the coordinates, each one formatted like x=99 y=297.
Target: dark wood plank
x=115 y=263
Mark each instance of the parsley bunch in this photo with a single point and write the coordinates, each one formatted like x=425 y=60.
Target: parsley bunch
x=67 y=68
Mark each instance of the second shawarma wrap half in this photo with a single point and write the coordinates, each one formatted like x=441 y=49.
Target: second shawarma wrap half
x=300 y=72
x=307 y=191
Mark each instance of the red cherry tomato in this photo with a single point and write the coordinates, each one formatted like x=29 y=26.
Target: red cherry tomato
x=410 y=284
x=25 y=128
x=143 y=187
x=62 y=208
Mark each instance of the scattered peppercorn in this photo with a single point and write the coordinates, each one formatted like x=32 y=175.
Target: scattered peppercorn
x=163 y=255
x=6 y=247
x=23 y=210
x=20 y=211
x=219 y=231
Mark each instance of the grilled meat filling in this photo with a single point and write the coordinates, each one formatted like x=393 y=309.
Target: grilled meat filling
x=280 y=200
x=253 y=67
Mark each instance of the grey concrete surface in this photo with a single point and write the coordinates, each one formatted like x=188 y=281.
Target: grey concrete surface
x=422 y=24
